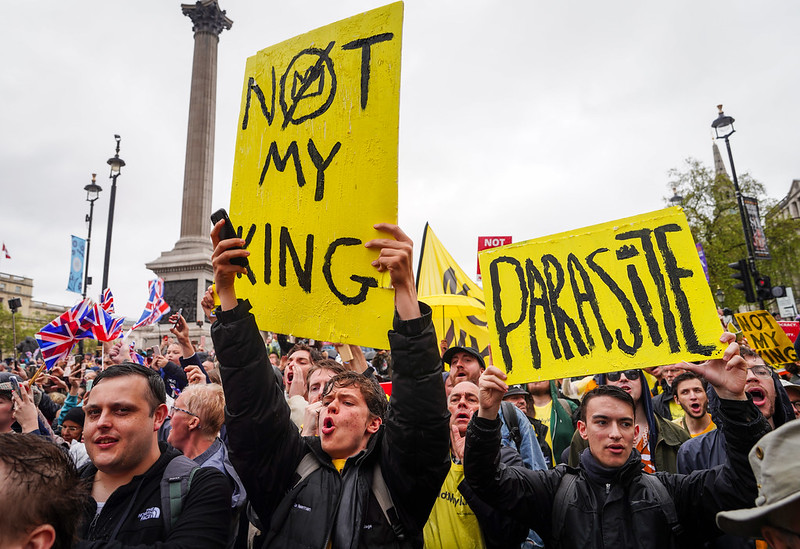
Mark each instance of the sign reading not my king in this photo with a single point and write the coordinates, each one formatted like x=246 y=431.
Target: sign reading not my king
x=315 y=169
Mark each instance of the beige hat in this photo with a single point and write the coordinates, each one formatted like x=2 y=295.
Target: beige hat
x=774 y=463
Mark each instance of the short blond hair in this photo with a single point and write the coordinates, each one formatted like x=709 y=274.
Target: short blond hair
x=208 y=402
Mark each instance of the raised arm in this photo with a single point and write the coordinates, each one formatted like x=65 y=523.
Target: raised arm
x=265 y=446
x=414 y=453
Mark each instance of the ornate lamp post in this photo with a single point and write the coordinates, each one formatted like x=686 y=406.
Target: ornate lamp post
x=116 y=164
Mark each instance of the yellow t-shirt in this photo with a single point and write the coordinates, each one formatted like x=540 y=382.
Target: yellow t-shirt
x=452 y=524
x=682 y=423
x=339 y=464
x=543 y=415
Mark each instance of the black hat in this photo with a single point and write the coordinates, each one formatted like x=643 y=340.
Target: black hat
x=515 y=390
x=448 y=354
x=75 y=415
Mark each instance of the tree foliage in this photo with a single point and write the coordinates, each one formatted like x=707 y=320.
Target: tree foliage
x=709 y=202
x=24 y=327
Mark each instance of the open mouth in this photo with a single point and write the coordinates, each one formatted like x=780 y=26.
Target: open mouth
x=696 y=407
x=327 y=426
x=463 y=416
x=626 y=388
x=615 y=448
x=759 y=397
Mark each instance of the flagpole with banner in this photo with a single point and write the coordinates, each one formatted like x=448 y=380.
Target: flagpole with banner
x=457 y=302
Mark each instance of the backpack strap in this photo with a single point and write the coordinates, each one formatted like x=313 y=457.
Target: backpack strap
x=667 y=505
x=384 y=498
x=566 y=491
x=175 y=484
x=307 y=465
x=512 y=422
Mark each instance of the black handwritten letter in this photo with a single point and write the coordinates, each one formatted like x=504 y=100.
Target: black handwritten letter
x=365 y=44
x=587 y=296
x=552 y=268
x=303 y=273
x=280 y=163
x=504 y=329
x=253 y=88
x=321 y=164
x=365 y=281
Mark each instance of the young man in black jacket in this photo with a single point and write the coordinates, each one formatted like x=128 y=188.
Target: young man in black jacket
x=607 y=501
x=124 y=412
x=334 y=501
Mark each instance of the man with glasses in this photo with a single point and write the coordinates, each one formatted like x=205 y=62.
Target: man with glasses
x=657 y=439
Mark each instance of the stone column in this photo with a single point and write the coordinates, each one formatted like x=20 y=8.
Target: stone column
x=186 y=269
x=209 y=21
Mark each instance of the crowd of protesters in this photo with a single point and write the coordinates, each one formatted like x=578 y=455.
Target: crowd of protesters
x=269 y=442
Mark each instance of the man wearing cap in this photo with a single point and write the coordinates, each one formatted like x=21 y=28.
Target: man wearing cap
x=466 y=364
x=521 y=398
x=776 y=516
x=793 y=390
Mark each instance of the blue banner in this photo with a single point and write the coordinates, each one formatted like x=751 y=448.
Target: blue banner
x=76 y=265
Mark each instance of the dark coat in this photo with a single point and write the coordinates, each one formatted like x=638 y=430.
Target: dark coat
x=134 y=510
x=630 y=516
x=265 y=447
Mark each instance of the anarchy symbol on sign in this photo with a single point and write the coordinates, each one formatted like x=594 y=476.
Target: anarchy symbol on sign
x=312 y=86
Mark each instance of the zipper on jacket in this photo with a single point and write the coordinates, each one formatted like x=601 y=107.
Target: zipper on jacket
x=608 y=488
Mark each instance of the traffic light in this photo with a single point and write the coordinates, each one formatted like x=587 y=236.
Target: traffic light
x=742 y=274
x=766 y=290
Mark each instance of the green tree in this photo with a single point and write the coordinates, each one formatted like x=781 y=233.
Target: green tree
x=24 y=327
x=709 y=202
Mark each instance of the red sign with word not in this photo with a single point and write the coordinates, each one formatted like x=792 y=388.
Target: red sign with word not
x=486 y=242
x=791 y=327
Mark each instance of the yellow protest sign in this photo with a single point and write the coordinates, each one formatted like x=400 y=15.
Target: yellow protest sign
x=766 y=337
x=457 y=302
x=625 y=294
x=315 y=168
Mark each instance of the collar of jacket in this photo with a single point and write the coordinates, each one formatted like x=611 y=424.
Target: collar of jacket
x=625 y=473
x=315 y=445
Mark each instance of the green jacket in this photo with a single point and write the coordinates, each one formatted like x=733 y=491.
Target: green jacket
x=670 y=438
x=561 y=426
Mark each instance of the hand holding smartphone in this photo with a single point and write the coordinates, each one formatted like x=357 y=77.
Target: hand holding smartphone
x=229 y=232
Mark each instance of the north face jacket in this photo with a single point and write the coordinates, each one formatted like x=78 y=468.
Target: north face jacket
x=132 y=515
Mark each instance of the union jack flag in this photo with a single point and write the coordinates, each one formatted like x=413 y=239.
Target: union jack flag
x=136 y=357
x=104 y=327
x=58 y=337
x=107 y=301
x=156 y=307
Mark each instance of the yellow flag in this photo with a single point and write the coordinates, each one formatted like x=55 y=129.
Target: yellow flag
x=315 y=168
x=457 y=302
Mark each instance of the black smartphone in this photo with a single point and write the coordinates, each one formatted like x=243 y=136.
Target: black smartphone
x=180 y=311
x=229 y=232
x=15 y=385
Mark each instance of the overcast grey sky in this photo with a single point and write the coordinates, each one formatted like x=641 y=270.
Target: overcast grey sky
x=520 y=118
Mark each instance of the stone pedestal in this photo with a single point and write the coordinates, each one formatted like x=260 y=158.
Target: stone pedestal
x=186 y=269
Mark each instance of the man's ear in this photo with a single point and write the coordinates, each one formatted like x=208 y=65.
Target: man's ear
x=636 y=431
x=373 y=424
x=159 y=416
x=194 y=423
x=41 y=537
x=582 y=429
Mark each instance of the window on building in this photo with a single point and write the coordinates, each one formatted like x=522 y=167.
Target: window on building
x=793 y=208
x=18 y=289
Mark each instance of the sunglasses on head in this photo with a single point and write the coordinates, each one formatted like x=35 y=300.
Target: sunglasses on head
x=632 y=375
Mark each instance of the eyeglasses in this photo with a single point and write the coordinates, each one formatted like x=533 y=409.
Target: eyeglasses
x=761 y=370
x=173 y=408
x=71 y=429
x=632 y=375
x=796 y=404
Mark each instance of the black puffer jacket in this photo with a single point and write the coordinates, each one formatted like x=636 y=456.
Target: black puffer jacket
x=132 y=515
x=630 y=516
x=265 y=447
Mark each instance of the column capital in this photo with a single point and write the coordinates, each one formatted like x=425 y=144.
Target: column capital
x=206 y=16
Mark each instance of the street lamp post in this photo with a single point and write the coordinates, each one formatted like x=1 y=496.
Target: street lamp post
x=116 y=164
x=723 y=127
x=720 y=296
x=92 y=194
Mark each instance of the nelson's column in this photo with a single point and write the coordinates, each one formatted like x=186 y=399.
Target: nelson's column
x=186 y=269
